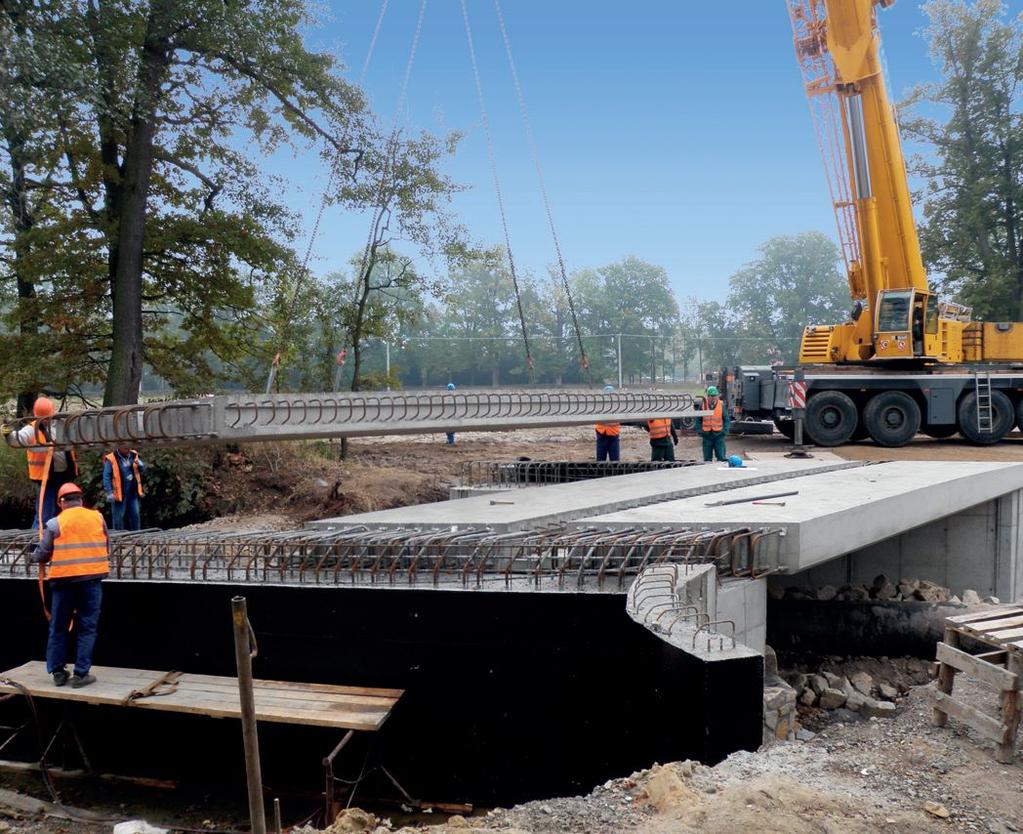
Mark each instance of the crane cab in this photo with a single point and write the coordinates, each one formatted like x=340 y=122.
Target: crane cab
x=906 y=325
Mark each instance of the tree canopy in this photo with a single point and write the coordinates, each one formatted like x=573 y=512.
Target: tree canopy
x=972 y=229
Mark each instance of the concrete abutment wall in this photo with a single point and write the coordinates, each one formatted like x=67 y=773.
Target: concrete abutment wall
x=980 y=548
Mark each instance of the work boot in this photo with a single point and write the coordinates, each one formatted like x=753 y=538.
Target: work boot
x=60 y=677
x=78 y=681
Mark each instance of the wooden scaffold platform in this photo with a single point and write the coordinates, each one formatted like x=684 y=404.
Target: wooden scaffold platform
x=348 y=708
x=999 y=634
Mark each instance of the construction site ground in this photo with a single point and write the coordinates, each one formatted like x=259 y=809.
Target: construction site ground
x=898 y=774
x=853 y=775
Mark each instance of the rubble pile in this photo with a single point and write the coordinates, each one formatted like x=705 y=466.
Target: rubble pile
x=883 y=589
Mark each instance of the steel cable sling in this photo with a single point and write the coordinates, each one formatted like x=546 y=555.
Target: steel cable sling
x=584 y=362
x=497 y=189
x=335 y=169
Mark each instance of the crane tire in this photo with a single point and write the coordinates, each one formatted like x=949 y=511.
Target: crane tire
x=892 y=418
x=1003 y=415
x=1019 y=414
x=786 y=428
x=831 y=418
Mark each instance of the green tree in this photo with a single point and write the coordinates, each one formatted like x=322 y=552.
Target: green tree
x=630 y=297
x=153 y=210
x=972 y=231
x=794 y=282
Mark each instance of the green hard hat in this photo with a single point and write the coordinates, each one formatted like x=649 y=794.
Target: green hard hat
x=712 y=391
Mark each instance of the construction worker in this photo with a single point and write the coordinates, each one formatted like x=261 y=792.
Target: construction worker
x=77 y=549
x=37 y=437
x=663 y=439
x=713 y=427
x=122 y=482
x=451 y=434
x=608 y=436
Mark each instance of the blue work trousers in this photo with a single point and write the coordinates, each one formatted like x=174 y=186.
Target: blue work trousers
x=714 y=445
x=608 y=447
x=451 y=438
x=124 y=515
x=80 y=600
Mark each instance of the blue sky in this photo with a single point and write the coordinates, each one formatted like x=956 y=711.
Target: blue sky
x=673 y=130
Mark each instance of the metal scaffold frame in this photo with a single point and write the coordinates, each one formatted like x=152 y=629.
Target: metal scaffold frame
x=243 y=418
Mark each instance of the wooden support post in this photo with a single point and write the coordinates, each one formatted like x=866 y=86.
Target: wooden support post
x=1012 y=711
x=243 y=657
x=946 y=678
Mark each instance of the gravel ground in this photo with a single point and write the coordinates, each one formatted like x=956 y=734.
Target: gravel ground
x=859 y=776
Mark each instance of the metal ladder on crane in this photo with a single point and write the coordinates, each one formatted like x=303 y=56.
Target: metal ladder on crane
x=982 y=389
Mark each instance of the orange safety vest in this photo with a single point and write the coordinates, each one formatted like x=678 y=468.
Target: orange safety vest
x=116 y=474
x=80 y=549
x=716 y=421
x=659 y=428
x=37 y=460
x=609 y=429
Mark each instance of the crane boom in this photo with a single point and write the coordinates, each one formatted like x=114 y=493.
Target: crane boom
x=895 y=315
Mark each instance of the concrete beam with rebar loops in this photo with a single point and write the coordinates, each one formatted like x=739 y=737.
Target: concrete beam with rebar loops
x=241 y=418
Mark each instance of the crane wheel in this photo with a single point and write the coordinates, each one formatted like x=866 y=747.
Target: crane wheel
x=786 y=428
x=831 y=418
x=1019 y=415
x=892 y=418
x=1003 y=415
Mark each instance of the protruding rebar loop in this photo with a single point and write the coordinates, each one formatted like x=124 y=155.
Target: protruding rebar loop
x=708 y=626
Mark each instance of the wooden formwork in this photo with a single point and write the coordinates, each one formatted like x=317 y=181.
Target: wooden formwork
x=999 y=632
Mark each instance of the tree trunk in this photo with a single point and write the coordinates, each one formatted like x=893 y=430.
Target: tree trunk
x=127 y=353
x=22 y=220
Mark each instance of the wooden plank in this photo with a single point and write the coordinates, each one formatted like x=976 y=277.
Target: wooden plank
x=987 y=614
x=998 y=656
x=997 y=624
x=985 y=724
x=118 y=673
x=995 y=675
x=1006 y=636
x=215 y=697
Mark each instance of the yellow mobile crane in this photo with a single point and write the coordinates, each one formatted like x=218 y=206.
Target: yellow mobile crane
x=904 y=361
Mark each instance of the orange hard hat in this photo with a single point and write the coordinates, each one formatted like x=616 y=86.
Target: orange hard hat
x=69 y=489
x=43 y=407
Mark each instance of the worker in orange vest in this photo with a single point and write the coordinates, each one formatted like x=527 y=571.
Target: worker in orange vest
x=122 y=482
x=663 y=439
x=608 y=436
x=714 y=427
x=37 y=439
x=77 y=549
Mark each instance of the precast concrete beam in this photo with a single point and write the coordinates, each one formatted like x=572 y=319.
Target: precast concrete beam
x=533 y=507
x=836 y=512
x=241 y=418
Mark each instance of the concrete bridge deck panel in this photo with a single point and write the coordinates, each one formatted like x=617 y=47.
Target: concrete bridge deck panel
x=836 y=512
x=534 y=507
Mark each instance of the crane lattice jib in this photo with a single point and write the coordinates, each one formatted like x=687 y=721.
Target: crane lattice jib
x=809 y=29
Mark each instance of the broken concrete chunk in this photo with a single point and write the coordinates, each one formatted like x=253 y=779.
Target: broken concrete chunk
x=992 y=600
x=818 y=683
x=862 y=683
x=832 y=698
x=888 y=692
x=878 y=709
x=827 y=593
x=971 y=597
x=808 y=697
x=834 y=681
x=855 y=701
x=770 y=661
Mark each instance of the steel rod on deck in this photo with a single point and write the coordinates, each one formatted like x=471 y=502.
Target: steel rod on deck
x=243 y=654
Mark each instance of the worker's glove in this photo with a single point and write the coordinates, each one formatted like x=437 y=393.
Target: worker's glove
x=674 y=439
x=5 y=429
x=110 y=498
